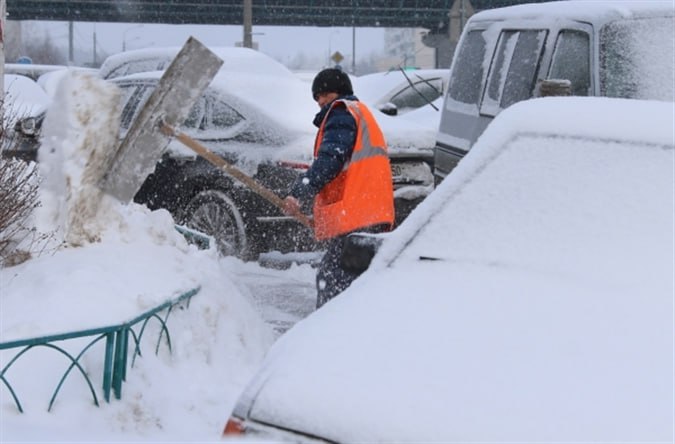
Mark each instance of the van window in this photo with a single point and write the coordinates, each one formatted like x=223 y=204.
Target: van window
x=637 y=59
x=571 y=61
x=467 y=73
x=513 y=72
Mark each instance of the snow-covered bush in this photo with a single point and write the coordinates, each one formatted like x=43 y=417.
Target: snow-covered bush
x=18 y=198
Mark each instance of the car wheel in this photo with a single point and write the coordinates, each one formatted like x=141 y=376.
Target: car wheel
x=214 y=213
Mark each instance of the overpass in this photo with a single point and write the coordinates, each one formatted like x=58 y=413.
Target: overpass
x=429 y=14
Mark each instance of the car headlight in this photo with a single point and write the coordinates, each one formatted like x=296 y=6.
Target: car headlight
x=28 y=126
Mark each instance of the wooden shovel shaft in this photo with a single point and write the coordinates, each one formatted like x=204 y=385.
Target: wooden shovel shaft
x=231 y=170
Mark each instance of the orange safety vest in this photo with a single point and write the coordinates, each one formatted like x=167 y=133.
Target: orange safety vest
x=362 y=194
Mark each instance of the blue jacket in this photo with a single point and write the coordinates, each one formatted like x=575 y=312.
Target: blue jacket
x=335 y=150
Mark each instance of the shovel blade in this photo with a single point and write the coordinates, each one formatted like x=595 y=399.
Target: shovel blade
x=178 y=90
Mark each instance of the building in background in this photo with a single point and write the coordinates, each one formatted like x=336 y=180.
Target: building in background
x=403 y=47
x=421 y=48
x=444 y=40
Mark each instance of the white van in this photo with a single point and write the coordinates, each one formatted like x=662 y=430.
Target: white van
x=614 y=49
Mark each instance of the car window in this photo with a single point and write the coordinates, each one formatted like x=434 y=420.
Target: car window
x=636 y=59
x=424 y=92
x=134 y=96
x=118 y=72
x=467 y=71
x=513 y=71
x=197 y=117
x=135 y=67
x=571 y=61
x=221 y=115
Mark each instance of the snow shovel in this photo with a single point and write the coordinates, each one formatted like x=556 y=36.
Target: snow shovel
x=182 y=84
x=230 y=169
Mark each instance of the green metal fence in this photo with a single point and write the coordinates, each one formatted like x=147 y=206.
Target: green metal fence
x=116 y=354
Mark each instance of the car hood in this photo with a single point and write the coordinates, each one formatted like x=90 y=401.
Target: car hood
x=499 y=355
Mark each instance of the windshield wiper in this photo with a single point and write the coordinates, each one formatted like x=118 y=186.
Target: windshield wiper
x=417 y=90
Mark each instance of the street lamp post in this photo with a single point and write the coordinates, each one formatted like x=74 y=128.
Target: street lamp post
x=330 y=41
x=353 y=49
x=247 y=41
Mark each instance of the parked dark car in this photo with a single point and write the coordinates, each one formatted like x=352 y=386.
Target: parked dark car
x=235 y=118
x=25 y=105
x=240 y=124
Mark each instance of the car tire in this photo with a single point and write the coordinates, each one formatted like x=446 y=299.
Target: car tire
x=214 y=213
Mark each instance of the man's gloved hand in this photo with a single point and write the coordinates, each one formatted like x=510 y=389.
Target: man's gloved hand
x=291 y=206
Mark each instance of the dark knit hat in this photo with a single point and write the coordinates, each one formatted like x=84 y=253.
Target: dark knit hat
x=331 y=80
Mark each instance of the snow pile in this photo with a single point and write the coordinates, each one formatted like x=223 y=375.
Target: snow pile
x=80 y=139
x=114 y=262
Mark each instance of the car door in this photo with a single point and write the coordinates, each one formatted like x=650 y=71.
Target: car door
x=460 y=119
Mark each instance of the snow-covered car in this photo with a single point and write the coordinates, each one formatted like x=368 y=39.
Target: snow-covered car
x=159 y=59
x=529 y=298
x=397 y=92
x=33 y=71
x=25 y=105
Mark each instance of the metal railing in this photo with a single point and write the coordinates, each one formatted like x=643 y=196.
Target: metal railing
x=116 y=349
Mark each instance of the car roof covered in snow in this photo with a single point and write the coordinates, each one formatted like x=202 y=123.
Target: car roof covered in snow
x=152 y=59
x=24 y=97
x=585 y=10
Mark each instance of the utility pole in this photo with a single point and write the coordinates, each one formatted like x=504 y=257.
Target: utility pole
x=248 y=24
x=94 y=61
x=71 y=56
x=353 y=49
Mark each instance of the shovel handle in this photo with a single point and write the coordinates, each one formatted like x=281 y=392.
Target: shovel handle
x=231 y=170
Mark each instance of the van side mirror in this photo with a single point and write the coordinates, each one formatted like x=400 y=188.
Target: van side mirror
x=554 y=87
x=358 y=251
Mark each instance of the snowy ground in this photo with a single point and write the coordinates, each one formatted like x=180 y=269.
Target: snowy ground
x=183 y=396
x=106 y=263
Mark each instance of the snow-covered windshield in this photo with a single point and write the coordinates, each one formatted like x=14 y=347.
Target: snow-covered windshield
x=637 y=59
x=609 y=179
